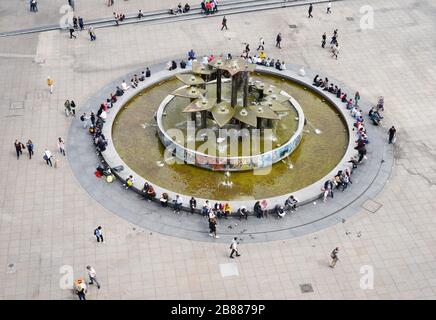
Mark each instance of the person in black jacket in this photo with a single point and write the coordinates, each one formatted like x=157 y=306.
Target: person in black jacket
x=258 y=209
x=192 y=204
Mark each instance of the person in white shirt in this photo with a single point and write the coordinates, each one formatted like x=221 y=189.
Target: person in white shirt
x=81 y=289
x=234 y=247
x=47 y=157
x=204 y=60
x=61 y=146
x=124 y=85
x=92 y=276
x=178 y=204
x=261 y=44
x=329 y=7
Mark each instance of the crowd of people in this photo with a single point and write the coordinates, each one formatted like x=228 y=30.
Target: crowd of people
x=333 y=42
x=343 y=177
x=180 y=9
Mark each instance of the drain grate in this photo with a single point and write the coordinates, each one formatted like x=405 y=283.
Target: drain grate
x=306 y=287
x=371 y=205
x=16 y=105
x=350 y=18
x=293 y=26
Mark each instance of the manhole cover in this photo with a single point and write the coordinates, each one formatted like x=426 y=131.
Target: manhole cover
x=350 y=18
x=16 y=105
x=371 y=205
x=293 y=26
x=306 y=287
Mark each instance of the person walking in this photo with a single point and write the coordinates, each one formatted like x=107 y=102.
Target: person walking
x=329 y=7
x=224 y=23
x=336 y=50
x=234 y=248
x=261 y=44
x=61 y=146
x=392 y=134
x=334 y=256
x=47 y=157
x=81 y=288
x=72 y=4
x=30 y=147
x=33 y=6
x=324 y=39
x=67 y=105
x=72 y=33
x=50 y=83
x=18 y=148
x=98 y=234
x=110 y=3
x=92 y=33
x=92 y=276
x=310 y=11
x=73 y=108
x=279 y=40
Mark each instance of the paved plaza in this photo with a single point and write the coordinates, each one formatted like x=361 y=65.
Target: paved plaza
x=47 y=216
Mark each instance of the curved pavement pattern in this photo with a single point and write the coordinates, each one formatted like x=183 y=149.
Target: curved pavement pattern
x=368 y=180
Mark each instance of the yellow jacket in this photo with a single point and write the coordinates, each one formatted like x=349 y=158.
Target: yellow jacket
x=50 y=82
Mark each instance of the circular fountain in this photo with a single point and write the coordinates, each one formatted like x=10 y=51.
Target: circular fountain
x=305 y=138
x=240 y=132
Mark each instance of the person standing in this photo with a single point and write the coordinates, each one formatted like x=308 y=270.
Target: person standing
x=61 y=146
x=212 y=227
x=92 y=118
x=324 y=39
x=178 y=204
x=224 y=23
x=50 y=83
x=334 y=256
x=392 y=134
x=192 y=204
x=234 y=248
x=98 y=234
x=30 y=146
x=310 y=11
x=73 y=107
x=261 y=44
x=356 y=98
x=47 y=157
x=329 y=7
x=278 y=40
x=92 y=276
x=83 y=119
x=18 y=148
x=67 y=105
x=110 y=3
x=81 y=25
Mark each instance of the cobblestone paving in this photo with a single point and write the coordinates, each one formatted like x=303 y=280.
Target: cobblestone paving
x=47 y=219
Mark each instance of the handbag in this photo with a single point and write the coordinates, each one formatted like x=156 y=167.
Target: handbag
x=45 y=157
